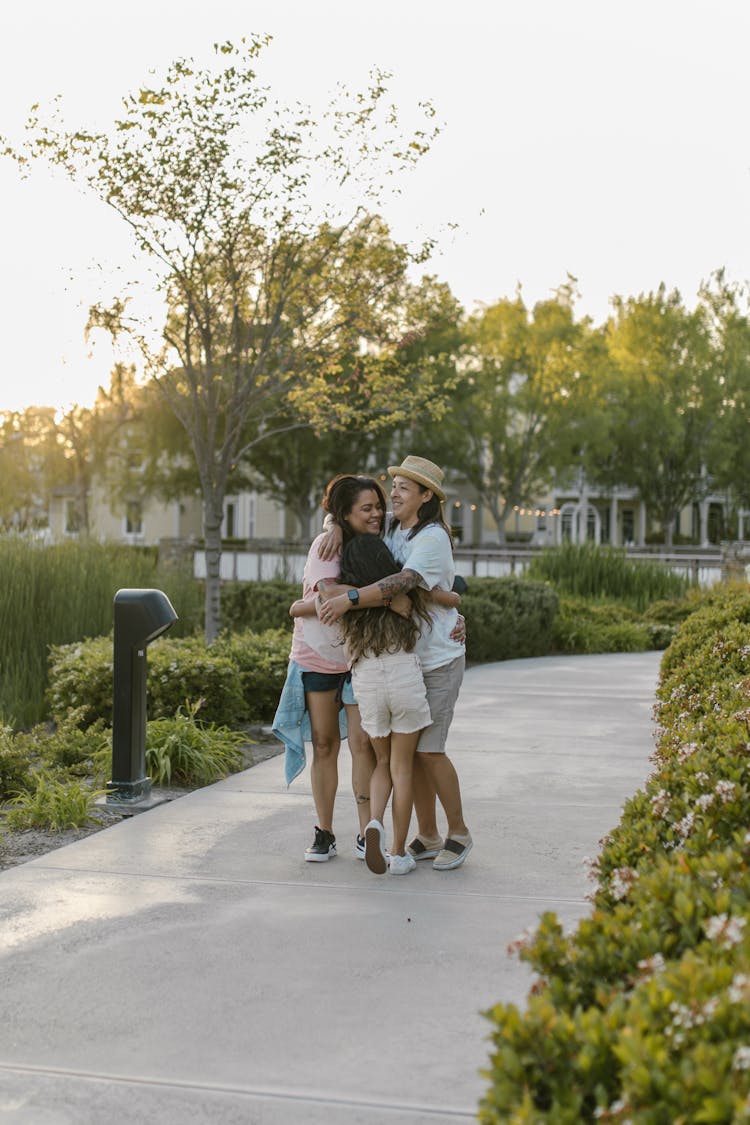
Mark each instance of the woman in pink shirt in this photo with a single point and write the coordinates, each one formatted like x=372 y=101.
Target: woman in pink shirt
x=357 y=505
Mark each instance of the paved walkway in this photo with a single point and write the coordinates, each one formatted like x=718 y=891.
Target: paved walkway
x=187 y=966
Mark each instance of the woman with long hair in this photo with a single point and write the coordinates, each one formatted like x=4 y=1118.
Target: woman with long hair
x=389 y=688
x=317 y=703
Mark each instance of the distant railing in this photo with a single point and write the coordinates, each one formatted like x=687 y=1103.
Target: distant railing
x=266 y=561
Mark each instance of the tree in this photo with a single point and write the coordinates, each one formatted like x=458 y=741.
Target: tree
x=264 y=289
x=295 y=468
x=88 y=438
x=515 y=415
x=31 y=463
x=729 y=457
x=663 y=401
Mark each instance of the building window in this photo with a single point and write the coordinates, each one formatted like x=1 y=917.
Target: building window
x=251 y=515
x=134 y=517
x=230 y=520
x=628 y=525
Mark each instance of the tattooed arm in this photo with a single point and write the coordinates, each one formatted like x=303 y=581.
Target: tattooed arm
x=385 y=592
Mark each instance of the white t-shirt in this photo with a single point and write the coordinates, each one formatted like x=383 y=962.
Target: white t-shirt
x=430 y=556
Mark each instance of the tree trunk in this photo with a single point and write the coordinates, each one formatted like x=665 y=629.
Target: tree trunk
x=669 y=530
x=212 y=516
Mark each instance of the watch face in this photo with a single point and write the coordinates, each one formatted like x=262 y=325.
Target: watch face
x=353 y=596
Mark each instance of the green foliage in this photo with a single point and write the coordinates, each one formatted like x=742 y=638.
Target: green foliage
x=64 y=747
x=642 y=1014
x=261 y=660
x=181 y=751
x=258 y=605
x=15 y=769
x=583 y=626
x=237 y=679
x=605 y=572
x=54 y=805
x=185 y=668
x=507 y=618
x=55 y=595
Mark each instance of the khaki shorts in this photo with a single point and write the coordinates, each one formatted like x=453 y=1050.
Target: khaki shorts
x=443 y=685
x=390 y=693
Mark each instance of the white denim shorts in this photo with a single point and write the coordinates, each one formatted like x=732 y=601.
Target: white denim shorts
x=391 y=694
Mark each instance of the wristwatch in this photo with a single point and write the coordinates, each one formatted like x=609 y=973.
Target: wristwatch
x=353 y=596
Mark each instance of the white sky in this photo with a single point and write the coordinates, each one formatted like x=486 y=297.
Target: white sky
x=608 y=140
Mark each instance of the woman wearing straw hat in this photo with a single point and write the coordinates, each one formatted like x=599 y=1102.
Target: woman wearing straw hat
x=420 y=540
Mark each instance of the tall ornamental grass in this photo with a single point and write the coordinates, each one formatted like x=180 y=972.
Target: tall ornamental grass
x=589 y=571
x=52 y=595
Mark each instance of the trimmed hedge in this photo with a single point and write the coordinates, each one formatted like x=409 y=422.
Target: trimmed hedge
x=507 y=618
x=238 y=679
x=642 y=1015
x=258 y=606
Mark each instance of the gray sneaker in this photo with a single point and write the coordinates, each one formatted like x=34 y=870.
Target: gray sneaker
x=322 y=848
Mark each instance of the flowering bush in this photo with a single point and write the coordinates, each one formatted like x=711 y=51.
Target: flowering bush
x=642 y=1015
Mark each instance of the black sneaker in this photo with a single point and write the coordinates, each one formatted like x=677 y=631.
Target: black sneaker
x=359 y=847
x=322 y=848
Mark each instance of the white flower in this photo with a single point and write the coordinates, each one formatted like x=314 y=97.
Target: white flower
x=705 y=801
x=741 y=1060
x=725 y=929
x=620 y=881
x=660 y=803
x=725 y=790
x=738 y=989
x=652 y=965
x=685 y=826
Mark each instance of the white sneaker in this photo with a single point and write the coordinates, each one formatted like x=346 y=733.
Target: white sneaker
x=375 y=853
x=402 y=864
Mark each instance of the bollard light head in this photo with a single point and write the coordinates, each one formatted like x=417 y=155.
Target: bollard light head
x=141 y=616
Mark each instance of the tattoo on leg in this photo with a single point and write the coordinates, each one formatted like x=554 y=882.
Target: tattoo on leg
x=362 y=800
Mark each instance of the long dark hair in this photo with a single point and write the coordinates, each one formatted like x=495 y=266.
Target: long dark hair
x=367 y=560
x=429 y=512
x=341 y=496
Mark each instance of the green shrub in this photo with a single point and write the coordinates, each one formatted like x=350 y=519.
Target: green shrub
x=15 y=768
x=237 y=680
x=606 y=572
x=261 y=660
x=258 y=606
x=53 y=805
x=65 y=747
x=642 y=1014
x=177 y=670
x=584 y=626
x=507 y=618
x=186 y=670
x=181 y=751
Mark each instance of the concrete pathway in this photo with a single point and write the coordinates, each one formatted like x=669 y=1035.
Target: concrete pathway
x=186 y=965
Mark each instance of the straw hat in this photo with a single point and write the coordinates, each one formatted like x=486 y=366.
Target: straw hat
x=423 y=472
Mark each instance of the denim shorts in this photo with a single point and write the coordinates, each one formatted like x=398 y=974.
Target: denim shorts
x=340 y=682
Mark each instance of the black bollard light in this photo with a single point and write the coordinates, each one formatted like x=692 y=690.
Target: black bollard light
x=140 y=617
